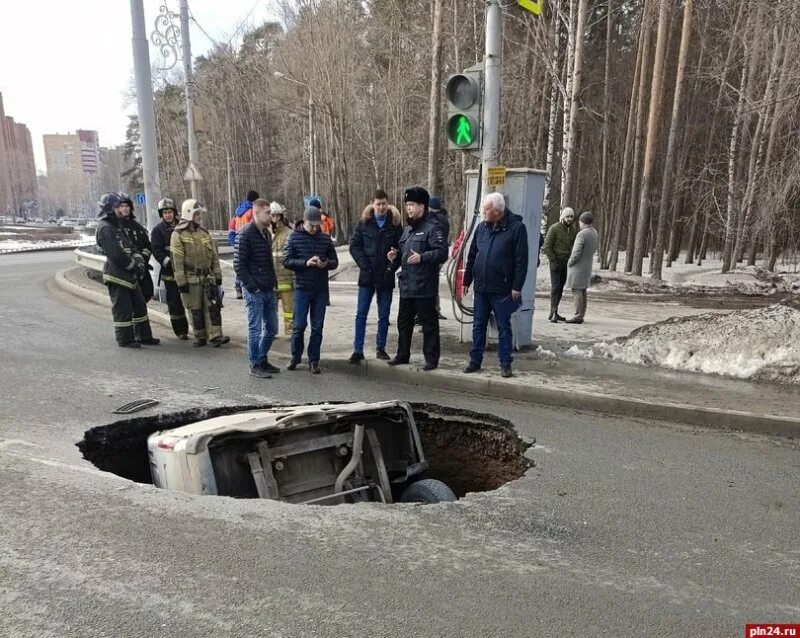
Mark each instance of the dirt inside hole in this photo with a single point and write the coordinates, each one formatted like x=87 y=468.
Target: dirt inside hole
x=470 y=452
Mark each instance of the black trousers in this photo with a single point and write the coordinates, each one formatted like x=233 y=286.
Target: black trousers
x=558 y=277
x=425 y=309
x=177 y=313
x=130 y=314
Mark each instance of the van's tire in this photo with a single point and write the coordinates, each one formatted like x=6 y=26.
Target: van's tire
x=427 y=491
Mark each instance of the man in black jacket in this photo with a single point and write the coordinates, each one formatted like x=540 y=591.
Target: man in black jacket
x=310 y=254
x=252 y=261
x=377 y=232
x=422 y=250
x=159 y=239
x=124 y=269
x=138 y=236
x=498 y=264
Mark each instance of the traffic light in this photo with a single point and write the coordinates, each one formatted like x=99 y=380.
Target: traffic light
x=464 y=107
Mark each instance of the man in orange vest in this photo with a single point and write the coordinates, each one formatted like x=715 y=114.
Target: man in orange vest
x=328 y=225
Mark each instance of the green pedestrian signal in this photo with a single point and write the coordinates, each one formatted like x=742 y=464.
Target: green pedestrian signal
x=461 y=130
x=464 y=93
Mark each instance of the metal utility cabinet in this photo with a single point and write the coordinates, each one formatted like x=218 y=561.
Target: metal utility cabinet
x=524 y=194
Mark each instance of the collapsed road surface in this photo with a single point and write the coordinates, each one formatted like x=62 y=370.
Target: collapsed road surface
x=623 y=528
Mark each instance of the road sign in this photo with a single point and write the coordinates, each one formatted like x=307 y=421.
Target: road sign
x=140 y=199
x=192 y=174
x=497 y=176
x=534 y=6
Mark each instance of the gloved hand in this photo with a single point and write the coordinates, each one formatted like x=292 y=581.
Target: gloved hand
x=167 y=262
x=219 y=281
x=184 y=288
x=141 y=270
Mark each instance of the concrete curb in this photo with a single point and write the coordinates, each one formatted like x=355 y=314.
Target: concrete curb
x=493 y=387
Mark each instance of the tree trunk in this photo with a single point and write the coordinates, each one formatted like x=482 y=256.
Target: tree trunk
x=605 y=207
x=574 y=97
x=657 y=91
x=434 y=119
x=553 y=120
x=624 y=180
x=666 y=189
x=637 y=149
x=732 y=212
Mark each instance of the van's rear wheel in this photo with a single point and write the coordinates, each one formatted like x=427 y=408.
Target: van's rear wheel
x=427 y=491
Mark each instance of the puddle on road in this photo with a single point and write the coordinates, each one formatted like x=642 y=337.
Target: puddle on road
x=468 y=451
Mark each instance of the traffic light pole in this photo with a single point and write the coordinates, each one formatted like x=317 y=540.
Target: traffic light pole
x=147 y=118
x=493 y=69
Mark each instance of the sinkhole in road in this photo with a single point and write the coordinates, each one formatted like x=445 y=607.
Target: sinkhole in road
x=468 y=451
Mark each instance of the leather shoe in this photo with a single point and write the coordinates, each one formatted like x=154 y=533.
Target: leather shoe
x=220 y=340
x=314 y=368
x=574 y=320
x=293 y=364
x=560 y=318
x=397 y=362
x=356 y=357
x=471 y=367
x=152 y=341
x=506 y=372
x=430 y=366
x=382 y=355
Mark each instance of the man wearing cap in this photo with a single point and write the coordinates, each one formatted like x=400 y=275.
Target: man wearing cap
x=281 y=229
x=422 y=250
x=160 y=240
x=123 y=271
x=557 y=247
x=197 y=273
x=310 y=254
x=580 y=264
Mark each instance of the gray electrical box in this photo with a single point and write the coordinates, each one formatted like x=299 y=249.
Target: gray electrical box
x=524 y=194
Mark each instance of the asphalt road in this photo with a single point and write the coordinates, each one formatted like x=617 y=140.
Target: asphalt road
x=624 y=528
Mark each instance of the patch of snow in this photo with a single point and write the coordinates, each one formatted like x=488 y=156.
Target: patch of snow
x=544 y=352
x=12 y=245
x=751 y=344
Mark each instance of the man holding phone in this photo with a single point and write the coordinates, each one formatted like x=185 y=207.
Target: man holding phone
x=309 y=254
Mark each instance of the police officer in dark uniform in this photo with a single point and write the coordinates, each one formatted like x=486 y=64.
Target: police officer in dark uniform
x=159 y=239
x=123 y=271
x=423 y=249
x=138 y=236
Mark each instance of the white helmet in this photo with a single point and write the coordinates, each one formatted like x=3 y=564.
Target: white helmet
x=277 y=208
x=189 y=208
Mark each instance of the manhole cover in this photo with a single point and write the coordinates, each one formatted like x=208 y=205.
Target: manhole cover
x=318 y=453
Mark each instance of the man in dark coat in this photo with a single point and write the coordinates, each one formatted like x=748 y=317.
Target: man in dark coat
x=138 y=236
x=310 y=254
x=159 y=239
x=497 y=264
x=123 y=271
x=252 y=261
x=558 y=247
x=377 y=232
x=422 y=250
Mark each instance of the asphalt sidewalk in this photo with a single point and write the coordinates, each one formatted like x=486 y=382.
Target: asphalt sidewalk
x=541 y=374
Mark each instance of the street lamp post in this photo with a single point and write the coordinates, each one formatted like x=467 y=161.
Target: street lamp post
x=312 y=134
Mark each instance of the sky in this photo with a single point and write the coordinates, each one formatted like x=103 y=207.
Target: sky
x=67 y=65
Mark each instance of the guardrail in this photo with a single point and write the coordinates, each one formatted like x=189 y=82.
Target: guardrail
x=96 y=261
x=38 y=249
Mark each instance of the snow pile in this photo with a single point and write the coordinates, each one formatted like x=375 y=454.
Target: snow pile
x=749 y=344
x=14 y=245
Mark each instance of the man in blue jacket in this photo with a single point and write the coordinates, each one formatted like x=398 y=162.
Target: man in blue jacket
x=252 y=261
x=310 y=254
x=241 y=217
x=497 y=264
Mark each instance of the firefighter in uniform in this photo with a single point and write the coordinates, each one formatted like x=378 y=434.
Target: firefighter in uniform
x=123 y=271
x=195 y=264
x=159 y=239
x=280 y=231
x=137 y=234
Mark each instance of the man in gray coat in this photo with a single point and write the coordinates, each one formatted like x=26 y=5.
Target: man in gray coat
x=579 y=266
